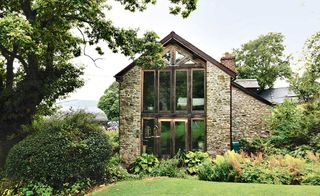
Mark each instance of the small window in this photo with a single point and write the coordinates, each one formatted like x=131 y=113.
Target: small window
x=198 y=135
x=164 y=90
x=165 y=139
x=180 y=133
x=148 y=91
x=179 y=56
x=181 y=90
x=168 y=58
x=149 y=132
x=198 y=90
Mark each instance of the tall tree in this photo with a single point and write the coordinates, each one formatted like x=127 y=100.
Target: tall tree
x=308 y=84
x=36 y=46
x=263 y=59
x=109 y=102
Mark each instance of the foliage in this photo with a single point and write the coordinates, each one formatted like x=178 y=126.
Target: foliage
x=113 y=137
x=193 y=160
x=273 y=169
x=168 y=168
x=144 y=164
x=109 y=102
x=295 y=127
x=114 y=171
x=308 y=85
x=62 y=150
x=263 y=59
x=38 y=43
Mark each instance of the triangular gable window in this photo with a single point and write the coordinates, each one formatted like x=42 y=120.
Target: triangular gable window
x=179 y=56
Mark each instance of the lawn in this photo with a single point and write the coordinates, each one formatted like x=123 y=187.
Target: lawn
x=173 y=186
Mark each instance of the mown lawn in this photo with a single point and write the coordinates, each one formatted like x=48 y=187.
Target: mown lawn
x=173 y=186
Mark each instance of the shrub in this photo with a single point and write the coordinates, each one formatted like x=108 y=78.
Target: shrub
x=223 y=170
x=195 y=159
x=168 y=168
x=113 y=137
x=144 y=164
x=206 y=171
x=62 y=150
x=114 y=171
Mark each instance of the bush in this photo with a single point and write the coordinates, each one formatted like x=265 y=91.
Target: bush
x=62 y=150
x=206 y=171
x=113 y=137
x=168 y=168
x=144 y=164
x=114 y=171
x=193 y=160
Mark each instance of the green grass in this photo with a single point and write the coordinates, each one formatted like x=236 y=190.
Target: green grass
x=185 y=187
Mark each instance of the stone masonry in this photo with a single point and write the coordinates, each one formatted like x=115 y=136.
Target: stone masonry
x=218 y=110
x=248 y=116
x=130 y=118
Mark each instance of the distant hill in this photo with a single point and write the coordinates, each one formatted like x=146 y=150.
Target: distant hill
x=78 y=103
x=90 y=106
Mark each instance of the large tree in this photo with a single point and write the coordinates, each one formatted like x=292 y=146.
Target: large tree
x=109 y=102
x=307 y=85
x=263 y=59
x=37 y=44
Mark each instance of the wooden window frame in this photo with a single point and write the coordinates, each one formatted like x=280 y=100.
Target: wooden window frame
x=174 y=115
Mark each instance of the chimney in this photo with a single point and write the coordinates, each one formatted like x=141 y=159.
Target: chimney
x=228 y=61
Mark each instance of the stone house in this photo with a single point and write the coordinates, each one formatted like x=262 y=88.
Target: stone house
x=193 y=104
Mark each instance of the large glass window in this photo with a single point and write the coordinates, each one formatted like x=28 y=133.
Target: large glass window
x=148 y=91
x=198 y=90
x=181 y=90
x=149 y=133
x=165 y=139
x=180 y=143
x=164 y=90
x=198 y=135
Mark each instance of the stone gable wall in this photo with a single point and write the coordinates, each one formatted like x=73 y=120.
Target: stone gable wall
x=218 y=110
x=248 y=116
x=130 y=115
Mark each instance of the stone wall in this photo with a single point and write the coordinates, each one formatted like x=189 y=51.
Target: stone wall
x=218 y=110
x=248 y=115
x=130 y=115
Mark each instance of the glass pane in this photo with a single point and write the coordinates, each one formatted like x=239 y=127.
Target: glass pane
x=198 y=133
x=148 y=91
x=148 y=136
x=181 y=90
x=168 y=58
x=190 y=62
x=164 y=91
x=198 y=90
x=165 y=138
x=179 y=56
x=180 y=136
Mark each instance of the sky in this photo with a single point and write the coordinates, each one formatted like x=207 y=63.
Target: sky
x=215 y=27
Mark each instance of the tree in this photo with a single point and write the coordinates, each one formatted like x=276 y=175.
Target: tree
x=36 y=46
x=308 y=85
x=109 y=102
x=263 y=59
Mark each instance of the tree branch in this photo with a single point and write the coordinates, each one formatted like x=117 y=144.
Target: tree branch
x=84 y=49
x=13 y=54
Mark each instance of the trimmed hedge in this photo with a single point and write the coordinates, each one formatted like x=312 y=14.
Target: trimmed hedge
x=62 y=150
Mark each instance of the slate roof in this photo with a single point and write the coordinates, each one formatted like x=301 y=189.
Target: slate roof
x=278 y=95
